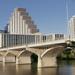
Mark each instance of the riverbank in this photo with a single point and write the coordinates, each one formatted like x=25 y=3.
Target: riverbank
x=67 y=55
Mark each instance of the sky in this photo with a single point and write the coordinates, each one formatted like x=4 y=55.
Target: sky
x=50 y=16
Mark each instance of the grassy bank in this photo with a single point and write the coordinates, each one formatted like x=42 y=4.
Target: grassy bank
x=67 y=55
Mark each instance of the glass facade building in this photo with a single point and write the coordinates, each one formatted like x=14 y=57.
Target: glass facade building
x=11 y=40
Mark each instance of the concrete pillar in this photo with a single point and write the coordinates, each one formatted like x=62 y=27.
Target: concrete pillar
x=48 y=61
x=3 y=59
x=17 y=60
x=39 y=62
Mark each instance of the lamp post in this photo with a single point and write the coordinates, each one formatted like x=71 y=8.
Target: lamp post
x=67 y=17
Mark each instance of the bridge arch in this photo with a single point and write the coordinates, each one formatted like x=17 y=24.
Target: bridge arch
x=27 y=52
x=48 y=57
x=9 y=53
x=53 y=51
x=20 y=53
x=24 y=57
x=10 y=57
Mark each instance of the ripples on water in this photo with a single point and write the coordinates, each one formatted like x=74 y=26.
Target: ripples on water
x=64 y=68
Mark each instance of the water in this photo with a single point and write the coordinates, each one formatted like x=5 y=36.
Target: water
x=64 y=68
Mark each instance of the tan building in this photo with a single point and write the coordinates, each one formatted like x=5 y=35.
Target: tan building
x=21 y=23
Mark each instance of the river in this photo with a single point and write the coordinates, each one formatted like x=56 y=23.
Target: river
x=64 y=68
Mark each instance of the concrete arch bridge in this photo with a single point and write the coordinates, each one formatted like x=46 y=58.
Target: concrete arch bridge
x=46 y=52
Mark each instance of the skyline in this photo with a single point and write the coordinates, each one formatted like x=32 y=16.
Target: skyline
x=48 y=15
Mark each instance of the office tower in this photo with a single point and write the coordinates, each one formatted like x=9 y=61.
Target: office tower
x=21 y=23
x=72 y=27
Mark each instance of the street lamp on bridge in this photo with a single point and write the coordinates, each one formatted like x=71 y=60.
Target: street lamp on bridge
x=67 y=18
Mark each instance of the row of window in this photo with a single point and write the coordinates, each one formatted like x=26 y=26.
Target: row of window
x=59 y=36
x=9 y=40
x=14 y=40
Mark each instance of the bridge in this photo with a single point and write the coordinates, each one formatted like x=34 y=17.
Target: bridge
x=46 y=51
x=21 y=39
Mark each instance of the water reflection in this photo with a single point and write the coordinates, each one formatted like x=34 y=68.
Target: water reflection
x=47 y=71
x=64 y=68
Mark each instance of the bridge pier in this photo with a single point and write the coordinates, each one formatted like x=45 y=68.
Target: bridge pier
x=48 y=57
x=3 y=59
x=17 y=60
x=47 y=62
x=39 y=62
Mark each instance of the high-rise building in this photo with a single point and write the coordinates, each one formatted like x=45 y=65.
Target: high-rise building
x=21 y=23
x=72 y=27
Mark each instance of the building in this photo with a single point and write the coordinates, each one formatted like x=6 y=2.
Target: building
x=72 y=27
x=10 y=40
x=21 y=23
x=21 y=30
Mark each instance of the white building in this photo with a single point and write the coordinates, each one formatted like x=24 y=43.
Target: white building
x=72 y=27
x=21 y=23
